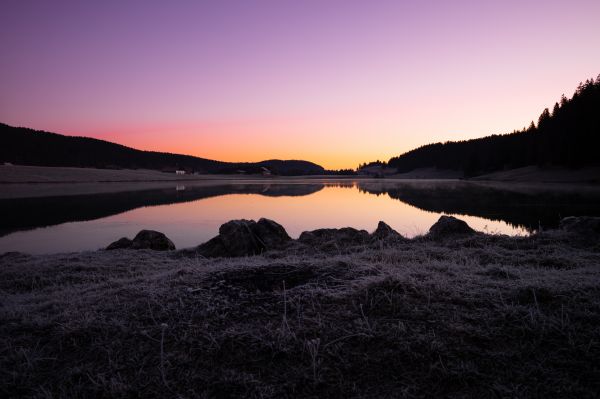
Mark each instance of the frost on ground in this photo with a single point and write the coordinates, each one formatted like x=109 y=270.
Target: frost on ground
x=480 y=316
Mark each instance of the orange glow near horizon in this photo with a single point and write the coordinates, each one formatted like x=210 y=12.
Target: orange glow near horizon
x=337 y=83
x=339 y=139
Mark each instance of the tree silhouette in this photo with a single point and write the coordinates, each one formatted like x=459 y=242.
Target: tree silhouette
x=569 y=136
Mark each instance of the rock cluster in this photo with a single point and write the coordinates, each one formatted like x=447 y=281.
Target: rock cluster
x=332 y=239
x=248 y=237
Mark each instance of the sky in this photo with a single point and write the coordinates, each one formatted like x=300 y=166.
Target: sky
x=333 y=82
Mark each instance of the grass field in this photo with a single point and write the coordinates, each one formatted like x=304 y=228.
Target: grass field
x=37 y=181
x=486 y=316
x=42 y=174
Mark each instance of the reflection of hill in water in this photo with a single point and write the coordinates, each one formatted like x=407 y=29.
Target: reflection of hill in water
x=518 y=206
x=29 y=213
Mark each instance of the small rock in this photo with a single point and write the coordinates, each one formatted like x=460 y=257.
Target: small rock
x=150 y=239
x=121 y=243
x=334 y=238
x=385 y=233
x=449 y=226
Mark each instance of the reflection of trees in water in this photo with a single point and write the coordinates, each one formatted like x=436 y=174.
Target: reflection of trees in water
x=527 y=208
x=29 y=213
x=344 y=184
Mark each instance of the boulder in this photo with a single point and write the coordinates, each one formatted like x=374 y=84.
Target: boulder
x=270 y=233
x=385 y=233
x=150 y=239
x=245 y=237
x=334 y=238
x=121 y=243
x=449 y=226
x=581 y=225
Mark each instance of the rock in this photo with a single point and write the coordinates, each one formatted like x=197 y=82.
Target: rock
x=385 y=233
x=334 y=238
x=270 y=233
x=581 y=225
x=121 y=243
x=245 y=237
x=449 y=226
x=150 y=239
x=238 y=239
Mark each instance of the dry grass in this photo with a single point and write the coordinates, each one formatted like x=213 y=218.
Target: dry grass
x=484 y=317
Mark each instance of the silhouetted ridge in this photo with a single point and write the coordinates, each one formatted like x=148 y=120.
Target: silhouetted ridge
x=25 y=146
x=568 y=136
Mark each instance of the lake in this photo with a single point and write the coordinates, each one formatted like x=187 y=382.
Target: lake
x=191 y=213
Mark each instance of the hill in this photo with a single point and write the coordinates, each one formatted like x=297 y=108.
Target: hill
x=25 y=146
x=568 y=136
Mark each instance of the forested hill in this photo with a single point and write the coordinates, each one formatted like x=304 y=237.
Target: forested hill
x=24 y=146
x=569 y=136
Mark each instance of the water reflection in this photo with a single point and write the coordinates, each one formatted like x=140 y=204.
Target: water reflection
x=528 y=206
x=190 y=215
x=28 y=213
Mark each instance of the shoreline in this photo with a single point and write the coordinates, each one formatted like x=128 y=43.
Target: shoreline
x=22 y=174
x=33 y=181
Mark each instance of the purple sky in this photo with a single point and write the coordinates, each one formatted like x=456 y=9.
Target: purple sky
x=335 y=82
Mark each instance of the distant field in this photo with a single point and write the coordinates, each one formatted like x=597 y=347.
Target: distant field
x=554 y=175
x=39 y=181
x=525 y=174
x=45 y=174
x=429 y=173
x=41 y=174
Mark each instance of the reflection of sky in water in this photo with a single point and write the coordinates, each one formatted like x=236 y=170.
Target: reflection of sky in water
x=191 y=223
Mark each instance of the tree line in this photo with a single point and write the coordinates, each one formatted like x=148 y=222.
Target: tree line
x=569 y=136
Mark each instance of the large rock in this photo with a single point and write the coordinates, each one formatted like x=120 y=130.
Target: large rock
x=449 y=226
x=150 y=239
x=121 y=243
x=245 y=237
x=334 y=238
x=581 y=225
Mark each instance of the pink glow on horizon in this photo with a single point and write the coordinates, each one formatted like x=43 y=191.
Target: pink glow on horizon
x=337 y=82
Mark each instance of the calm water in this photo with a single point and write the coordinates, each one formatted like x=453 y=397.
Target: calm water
x=192 y=214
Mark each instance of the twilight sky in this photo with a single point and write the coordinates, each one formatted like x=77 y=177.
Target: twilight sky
x=334 y=82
